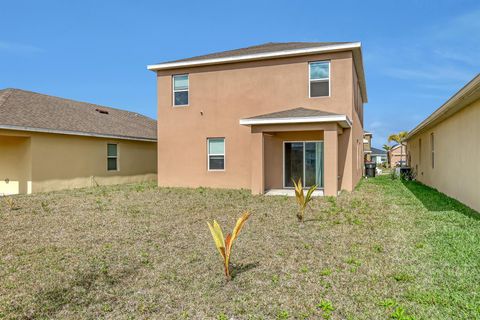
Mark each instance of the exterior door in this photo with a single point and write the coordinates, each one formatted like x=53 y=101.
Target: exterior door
x=303 y=159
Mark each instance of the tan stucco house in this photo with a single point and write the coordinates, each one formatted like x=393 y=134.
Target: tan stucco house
x=260 y=116
x=49 y=143
x=444 y=149
x=398 y=155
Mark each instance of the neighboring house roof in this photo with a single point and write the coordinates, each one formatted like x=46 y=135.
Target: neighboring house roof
x=366 y=133
x=269 y=51
x=376 y=151
x=30 y=111
x=464 y=97
x=298 y=115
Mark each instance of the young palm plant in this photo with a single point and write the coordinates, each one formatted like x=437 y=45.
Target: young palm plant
x=224 y=245
x=302 y=199
x=10 y=202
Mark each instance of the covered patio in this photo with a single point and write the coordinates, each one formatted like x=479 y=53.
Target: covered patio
x=296 y=143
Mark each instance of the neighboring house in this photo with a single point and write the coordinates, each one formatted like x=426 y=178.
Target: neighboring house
x=258 y=117
x=367 y=146
x=379 y=156
x=49 y=143
x=444 y=149
x=398 y=156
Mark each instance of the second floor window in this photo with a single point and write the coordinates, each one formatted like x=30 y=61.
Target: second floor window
x=319 y=73
x=180 y=90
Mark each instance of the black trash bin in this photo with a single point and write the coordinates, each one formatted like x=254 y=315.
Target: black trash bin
x=370 y=169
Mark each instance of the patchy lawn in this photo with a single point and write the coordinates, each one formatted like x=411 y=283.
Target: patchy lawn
x=388 y=250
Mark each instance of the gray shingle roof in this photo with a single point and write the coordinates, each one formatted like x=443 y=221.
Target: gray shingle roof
x=378 y=151
x=20 y=108
x=295 y=113
x=262 y=48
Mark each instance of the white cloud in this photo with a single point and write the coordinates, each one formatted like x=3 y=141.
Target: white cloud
x=18 y=48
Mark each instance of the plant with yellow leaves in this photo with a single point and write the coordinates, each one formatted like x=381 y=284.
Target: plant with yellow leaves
x=224 y=245
x=302 y=199
x=10 y=202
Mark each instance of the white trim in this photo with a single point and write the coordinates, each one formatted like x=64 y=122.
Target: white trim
x=303 y=178
x=320 y=80
x=187 y=90
x=74 y=133
x=255 y=56
x=116 y=157
x=455 y=103
x=216 y=154
x=343 y=120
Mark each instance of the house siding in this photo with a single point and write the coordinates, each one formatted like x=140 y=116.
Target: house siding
x=55 y=161
x=220 y=95
x=457 y=155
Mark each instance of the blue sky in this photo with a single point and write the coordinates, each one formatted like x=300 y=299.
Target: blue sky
x=416 y=53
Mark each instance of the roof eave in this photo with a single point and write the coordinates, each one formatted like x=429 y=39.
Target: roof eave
x=471 y=88
x=75 y=133
x=255 y=56
x=342 y=120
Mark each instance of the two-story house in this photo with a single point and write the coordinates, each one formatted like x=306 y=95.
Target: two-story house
x=260 y=116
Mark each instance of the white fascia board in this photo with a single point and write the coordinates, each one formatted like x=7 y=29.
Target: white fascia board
x=343 y=120
x=74 y=133
x=255 y=56
x=470 y=88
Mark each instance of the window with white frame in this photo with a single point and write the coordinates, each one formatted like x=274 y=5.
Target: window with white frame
x=180 y=89
x=432 y=145
x=112 y=157
x=216 y=154
x=319 y=77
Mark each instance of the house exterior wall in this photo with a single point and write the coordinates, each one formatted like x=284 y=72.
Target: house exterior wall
x=67 y=161
x=397 y=154
x=15 y=164
x=457 y=156
x=221 y=95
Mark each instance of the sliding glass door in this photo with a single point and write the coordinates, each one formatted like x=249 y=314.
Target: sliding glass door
x=303 y=160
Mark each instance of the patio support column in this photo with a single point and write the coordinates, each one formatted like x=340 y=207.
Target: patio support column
x=331 y=162
x=256 y=154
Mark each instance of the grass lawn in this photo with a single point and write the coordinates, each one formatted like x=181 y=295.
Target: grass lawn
x=389 y=250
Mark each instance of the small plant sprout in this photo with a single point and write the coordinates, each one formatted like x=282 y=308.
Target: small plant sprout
x=224 y=245
x=302 y=199
x=10 y=202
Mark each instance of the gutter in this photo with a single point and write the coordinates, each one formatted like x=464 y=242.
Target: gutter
x=471 y=87
x=343 y=120
x=75 y=133
x=255 y=56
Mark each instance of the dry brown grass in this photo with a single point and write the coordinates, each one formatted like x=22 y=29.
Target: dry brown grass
x=136 y=251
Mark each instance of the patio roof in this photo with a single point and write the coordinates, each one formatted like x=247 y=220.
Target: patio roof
x=298 y=115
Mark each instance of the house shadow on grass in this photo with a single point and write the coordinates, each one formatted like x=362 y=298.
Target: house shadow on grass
x=433 y=200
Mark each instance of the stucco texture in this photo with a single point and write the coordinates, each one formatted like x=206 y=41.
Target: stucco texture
x=221 y=95
x=50 y=162
x=456 y=170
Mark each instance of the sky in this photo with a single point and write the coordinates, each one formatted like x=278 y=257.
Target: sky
x=416 y=53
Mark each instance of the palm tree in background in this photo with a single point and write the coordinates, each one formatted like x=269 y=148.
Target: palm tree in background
x=398 y=138
x=387 y=148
